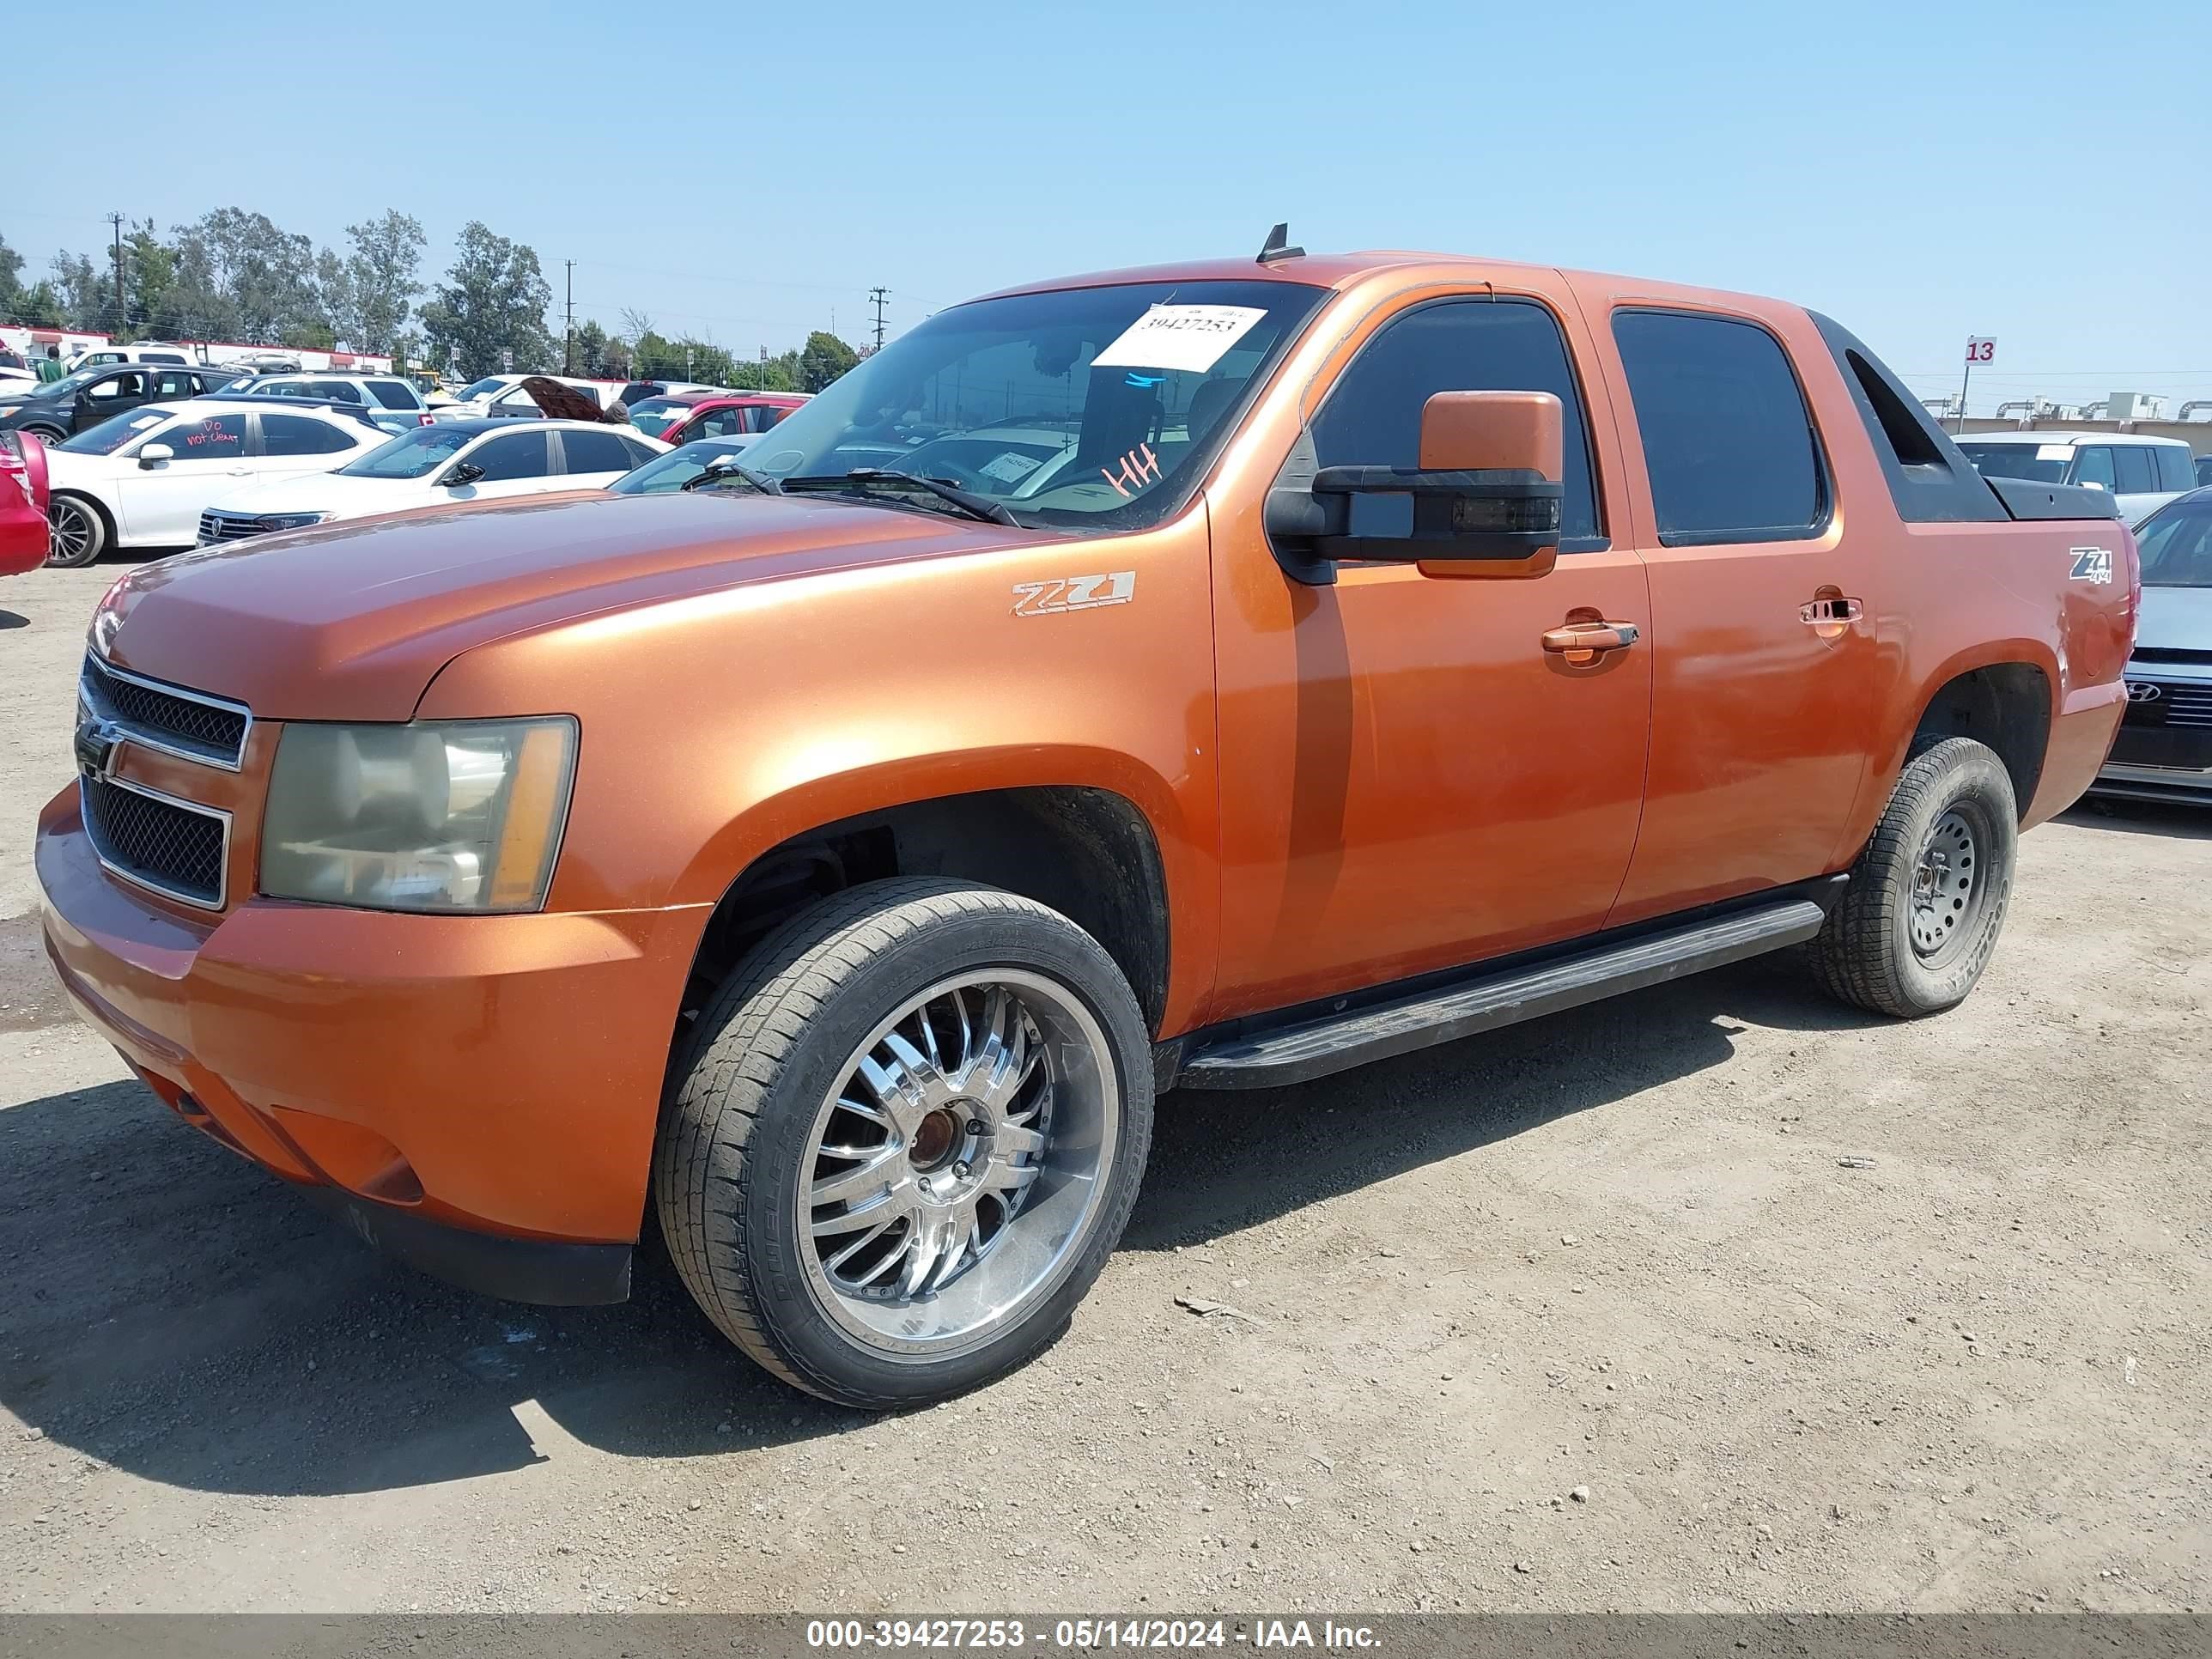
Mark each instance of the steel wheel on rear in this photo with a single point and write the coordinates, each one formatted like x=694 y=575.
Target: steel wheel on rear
x=1948 y=895
x=956 y=1162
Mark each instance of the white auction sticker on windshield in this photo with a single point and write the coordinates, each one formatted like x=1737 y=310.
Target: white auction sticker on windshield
x=1192 y=338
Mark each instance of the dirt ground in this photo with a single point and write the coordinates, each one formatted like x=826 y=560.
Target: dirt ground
x=1589 y=1315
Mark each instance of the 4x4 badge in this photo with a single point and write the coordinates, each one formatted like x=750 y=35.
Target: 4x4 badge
x=1075 y=593
x=2092 y=564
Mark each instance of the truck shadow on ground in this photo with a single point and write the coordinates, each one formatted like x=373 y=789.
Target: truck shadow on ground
x=11 y=619
x=176 y=1314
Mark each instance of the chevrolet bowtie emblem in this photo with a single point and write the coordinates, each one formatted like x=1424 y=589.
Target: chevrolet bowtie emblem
x=95 y=742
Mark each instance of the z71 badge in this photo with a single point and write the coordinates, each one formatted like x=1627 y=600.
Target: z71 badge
x=1075 y=593
x=2092 y=564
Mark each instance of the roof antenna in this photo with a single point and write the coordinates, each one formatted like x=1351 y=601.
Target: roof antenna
x=1278 y=245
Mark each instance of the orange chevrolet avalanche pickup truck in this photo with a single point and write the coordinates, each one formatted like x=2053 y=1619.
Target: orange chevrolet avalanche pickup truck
x=1220 y=674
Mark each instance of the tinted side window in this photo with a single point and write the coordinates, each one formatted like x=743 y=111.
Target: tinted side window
x=596 y=451
x=216 y=437
x=2133 y=466
x=394 y=394
x=296 y=435
x=2173 y=468
x=1373 y=415
x=2092 y=464
x=175 y=383
x=516 y=455
x=718 y=423
x=639 y=454
x=1726 y=438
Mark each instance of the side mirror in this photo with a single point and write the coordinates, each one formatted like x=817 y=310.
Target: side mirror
x=1485 y=501
x=2091 y=483
x=462 y=472
x=154 y=455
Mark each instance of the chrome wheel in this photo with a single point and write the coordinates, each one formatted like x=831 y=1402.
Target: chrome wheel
x=954 y=1168
x=70 y=533
x=1947 y=887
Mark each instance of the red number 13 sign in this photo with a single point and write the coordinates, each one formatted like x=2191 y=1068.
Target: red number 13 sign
x=1980 y=350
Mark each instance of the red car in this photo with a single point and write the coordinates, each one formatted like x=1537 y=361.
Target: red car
x=22 y=503
x=721 y=417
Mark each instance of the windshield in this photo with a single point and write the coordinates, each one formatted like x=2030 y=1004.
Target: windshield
x=1094 y=409
x=416 y=453
x=69 y=385
x=2038 y=463
x=656 y=415
x=116 y=430
x=488 y=387
x=672 y=472
x=2175 y=544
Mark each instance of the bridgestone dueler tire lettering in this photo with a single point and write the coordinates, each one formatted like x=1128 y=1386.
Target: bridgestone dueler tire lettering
x=747 y=1081
x=1864 y=956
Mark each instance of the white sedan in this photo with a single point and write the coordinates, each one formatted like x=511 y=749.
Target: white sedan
x=480 y=460
x=144 y=478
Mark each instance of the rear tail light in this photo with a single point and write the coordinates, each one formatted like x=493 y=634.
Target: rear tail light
x=425 y=419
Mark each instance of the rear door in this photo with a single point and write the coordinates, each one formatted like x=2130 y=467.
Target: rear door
x=1762 y=655
x=591 y=459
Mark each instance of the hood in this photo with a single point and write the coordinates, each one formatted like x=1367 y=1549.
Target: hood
x=326 y=492
x=2175 y=619
x=354 y=621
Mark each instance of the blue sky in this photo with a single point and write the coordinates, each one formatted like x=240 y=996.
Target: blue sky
x=2040 y=172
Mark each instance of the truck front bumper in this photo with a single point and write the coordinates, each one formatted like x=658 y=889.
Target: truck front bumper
x=476 y=1095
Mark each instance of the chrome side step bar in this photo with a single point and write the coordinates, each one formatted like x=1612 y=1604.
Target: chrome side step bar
x=1318 y=1045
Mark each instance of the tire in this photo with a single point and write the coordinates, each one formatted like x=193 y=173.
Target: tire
x=76 y=532
x=1920 y=918
x=750 y=1193
x=48 y=435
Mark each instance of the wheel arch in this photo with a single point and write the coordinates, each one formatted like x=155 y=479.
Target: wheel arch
x=2007 y=703
x=1091 y=851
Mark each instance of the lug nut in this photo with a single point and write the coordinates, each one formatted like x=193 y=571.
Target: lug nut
x=977 y=1127
x=963 y=1170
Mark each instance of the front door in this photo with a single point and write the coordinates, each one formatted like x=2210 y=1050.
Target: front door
x=162 y=502
x=1409 y=779
x=1763 y=647
x=123 y=390
x=514 y=463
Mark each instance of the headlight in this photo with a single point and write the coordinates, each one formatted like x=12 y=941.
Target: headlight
x=290 y=520
x=440 y=816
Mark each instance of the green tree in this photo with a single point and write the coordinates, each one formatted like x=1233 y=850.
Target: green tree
x=87 y=298
x=823 y=359
x=11 y=281
x=493 y=299
x=382 y=281
x=246 y=273
x=149 y=267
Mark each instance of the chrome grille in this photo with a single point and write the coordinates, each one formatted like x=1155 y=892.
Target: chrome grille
x=228 y=527
x=157 y=841
x=168 y=718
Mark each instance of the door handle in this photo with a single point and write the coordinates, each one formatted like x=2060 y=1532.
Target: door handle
x=1583 y=643
x=1817 y=611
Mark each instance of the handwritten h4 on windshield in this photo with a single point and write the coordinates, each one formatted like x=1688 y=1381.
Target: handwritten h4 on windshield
x=1138 y=468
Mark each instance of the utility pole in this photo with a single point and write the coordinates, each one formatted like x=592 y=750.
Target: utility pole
x=122 y=327
x=568 y=357
x=877 y=296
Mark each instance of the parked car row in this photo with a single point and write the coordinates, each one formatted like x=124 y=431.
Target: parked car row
x=221 y=468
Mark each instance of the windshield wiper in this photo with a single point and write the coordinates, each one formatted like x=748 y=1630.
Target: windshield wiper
x=723 y=468
x=863 y=478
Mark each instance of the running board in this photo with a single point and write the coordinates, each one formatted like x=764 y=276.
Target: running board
x=1315 y=1047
